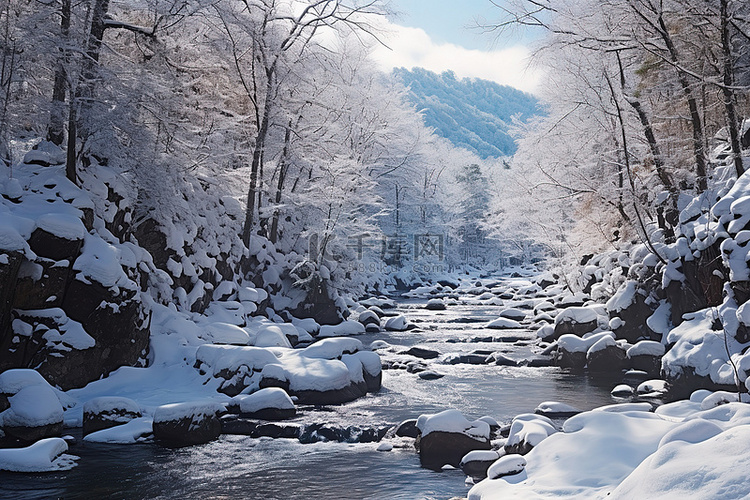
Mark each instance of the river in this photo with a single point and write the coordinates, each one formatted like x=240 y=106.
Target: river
x=242 y=467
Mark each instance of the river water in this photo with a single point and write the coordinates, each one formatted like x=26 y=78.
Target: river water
x=242 y=467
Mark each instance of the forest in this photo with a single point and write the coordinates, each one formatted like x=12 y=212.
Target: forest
x=232 y=241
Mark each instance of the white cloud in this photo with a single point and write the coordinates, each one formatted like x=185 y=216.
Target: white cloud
x=413 y=47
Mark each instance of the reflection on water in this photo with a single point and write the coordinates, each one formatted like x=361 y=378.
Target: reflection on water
x=240 y=467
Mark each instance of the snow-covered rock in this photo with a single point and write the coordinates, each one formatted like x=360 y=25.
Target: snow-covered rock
x=34 y=413
x=46 y=455
x=526 y=432
x=348 y=327
x=271 y=403
x=189 y=423
x=108 y=411
x=446 y=437
x=508 y=465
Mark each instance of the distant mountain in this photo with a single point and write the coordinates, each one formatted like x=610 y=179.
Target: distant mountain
x=471 y=113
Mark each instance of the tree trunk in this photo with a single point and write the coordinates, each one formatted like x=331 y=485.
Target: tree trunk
x=80 y=104
x=695 y=117
x=255 y=167
x=729 y=97
x=283 y=166
x=56 y=129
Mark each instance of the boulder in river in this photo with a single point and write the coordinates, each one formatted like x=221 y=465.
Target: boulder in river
x=475 y=463
x=446 y=437
x=576 y=321
x=32 y=408
x=106 y=412
x=435 y=305
x=271 y=403
x=509 y=465
x=187 y=424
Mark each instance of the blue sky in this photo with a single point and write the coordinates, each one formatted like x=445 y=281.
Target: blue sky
x=448 y=21
x=438 y=35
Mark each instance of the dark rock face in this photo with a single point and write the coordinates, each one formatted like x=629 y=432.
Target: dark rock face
x=188 y=431
x=646 y=363
x=53 y=247
x=568 y=326
x=572 y=360
x=634 y=327
x=610 y=359
x=440 y=448
x=28 y=435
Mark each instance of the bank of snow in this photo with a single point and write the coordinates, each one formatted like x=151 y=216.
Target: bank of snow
x=686 y=449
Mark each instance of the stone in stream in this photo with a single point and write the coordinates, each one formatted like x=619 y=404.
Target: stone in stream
x=576 y=321
x=446 y=437
x=435 y=305
x=466 y=359
x=606 y=356
x=475 y=463
x=538 y=362
x=233 y=424
x=186 y=424
x=430 y=375
x=422 y=353
x=271 y=403
x=526 y=432
x=106 y=412
x=330 y=433
x=553 y=409
x=407 y=428
x=509 y=465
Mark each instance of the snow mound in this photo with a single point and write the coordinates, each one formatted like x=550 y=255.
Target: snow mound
x=46 y=455
x=344 y=328
x=138 y=430
x=270 y=397
x=32 y=406
x=453 y=421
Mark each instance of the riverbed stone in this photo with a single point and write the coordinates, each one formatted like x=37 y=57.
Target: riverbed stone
x=187 y=424
x=476 y=463
x=106 y=412
x=422 y=353
x=439 y=448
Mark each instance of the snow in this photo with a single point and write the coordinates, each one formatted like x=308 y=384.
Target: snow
x=104 y=404
x=332 y=348
x=650 y=386
x=509 y=464
x=531 y=429
x=312 y=374
x=699 y=347
x=64 y=226
x=220 y=357
x=453 y=421
x=601 y=344
x=574 y=343
x=227 y=333
x=70 y=334
x=32 y=406
x=646 y=348
x=190 y=409
x=100 y=262
x=344 y=328
x=596 y=451
x=623 y=298
x=622 y=390
x=555 y=407
x=46 y=455
x=660 y=321
x=396 y=323
x=481 y=456
x=501 y=323
x=577 y=315
x=272 y=336
x=713 y=468
x=270 y=397
x=12 y=381
x=138 y=430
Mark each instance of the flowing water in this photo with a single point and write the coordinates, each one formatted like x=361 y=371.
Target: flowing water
x=242 y=467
